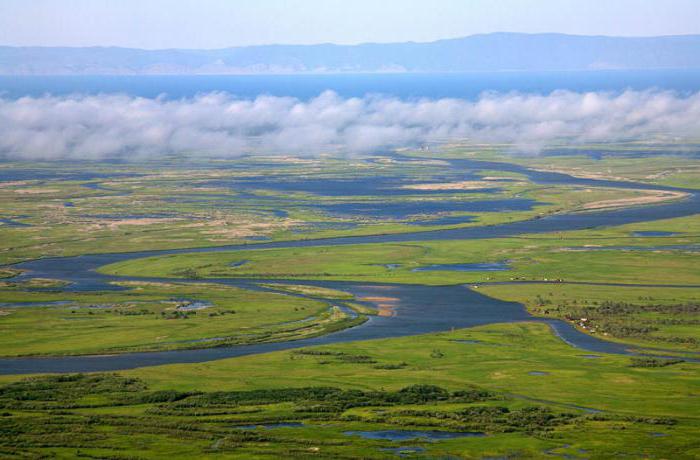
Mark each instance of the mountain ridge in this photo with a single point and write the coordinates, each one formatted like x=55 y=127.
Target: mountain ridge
x=502 y=51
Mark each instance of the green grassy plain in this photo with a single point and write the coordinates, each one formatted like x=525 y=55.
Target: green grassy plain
x=154 y=316
x=646 y=412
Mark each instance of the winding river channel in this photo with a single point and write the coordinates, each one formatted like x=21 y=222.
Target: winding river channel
x=419 y=309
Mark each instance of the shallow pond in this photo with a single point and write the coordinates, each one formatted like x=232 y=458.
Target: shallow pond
x=476 y=267
x=653 y=233
x=355 y=186
x=446 y=220
x=404 y=209
x=669 y=247
x=55 y=303
x=405 y=435
x=13 y=223
x=269 y=426
x=194 y=305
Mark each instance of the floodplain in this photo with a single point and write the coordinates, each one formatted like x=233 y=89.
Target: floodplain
x=457 y=301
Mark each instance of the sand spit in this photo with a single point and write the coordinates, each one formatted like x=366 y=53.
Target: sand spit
x=650 y=197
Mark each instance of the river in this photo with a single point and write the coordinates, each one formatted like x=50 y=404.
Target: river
x=419 y=309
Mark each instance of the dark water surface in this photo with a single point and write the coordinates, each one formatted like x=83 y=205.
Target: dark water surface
x=468 y=85
x=419 y=309
x=477 y=267
x=407 y=435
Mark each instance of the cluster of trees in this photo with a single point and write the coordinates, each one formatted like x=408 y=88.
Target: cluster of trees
x=54 y=422
x=532 y=419
x=336 y=356
x=625 y=319
x=653 y=362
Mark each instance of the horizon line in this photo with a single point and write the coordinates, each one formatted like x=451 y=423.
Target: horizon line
x=368 y=43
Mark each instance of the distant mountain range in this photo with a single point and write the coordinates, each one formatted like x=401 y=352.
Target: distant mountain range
x=490 y=52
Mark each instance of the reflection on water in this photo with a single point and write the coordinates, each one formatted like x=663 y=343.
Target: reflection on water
x=654 y=233
x=477 y=267
x=406 y=435
x=269 y=426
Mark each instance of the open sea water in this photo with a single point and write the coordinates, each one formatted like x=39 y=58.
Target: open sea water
x=404 y=86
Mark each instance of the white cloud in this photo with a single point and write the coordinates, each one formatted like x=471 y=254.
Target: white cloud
x=101 y=126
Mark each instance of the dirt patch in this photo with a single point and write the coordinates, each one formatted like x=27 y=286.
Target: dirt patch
x=386 y=306
x=462 y=185
x=14 y=183
x=380 y=299
x=386 y=310
x=36 y=191
x=653 y=196
x=583 y=174
x=144 y=284
x=139 y=221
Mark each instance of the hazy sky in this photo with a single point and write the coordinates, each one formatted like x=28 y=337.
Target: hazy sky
x=222 y=23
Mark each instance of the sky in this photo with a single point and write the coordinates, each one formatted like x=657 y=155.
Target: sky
x=154 y=24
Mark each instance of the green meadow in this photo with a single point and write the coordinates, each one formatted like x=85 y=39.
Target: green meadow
x=530 y=394
x=158 y=316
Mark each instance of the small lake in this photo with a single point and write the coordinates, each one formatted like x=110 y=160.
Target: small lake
x=407 y=435
x=476 y=267
x=402 y=210
x=447 y=220
x=13 y=223
x=55 y=303
x=670 y=247
x=357 y=186
x=653 y=233
x=270 y=426
x=194 y=305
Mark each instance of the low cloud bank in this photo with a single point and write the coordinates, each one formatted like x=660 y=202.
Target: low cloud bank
x=108 y=126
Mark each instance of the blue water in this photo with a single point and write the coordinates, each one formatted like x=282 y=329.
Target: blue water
x=348 y=186
x=447 y=220
x=405 y=435
x=405 y=209
x=457 y=85
x=13 y=223
x=668 y=247
x=269 y=426
x=476 y=267
x=55 y=303
x=653 y=233
x=81 y=172
x=194 y=305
